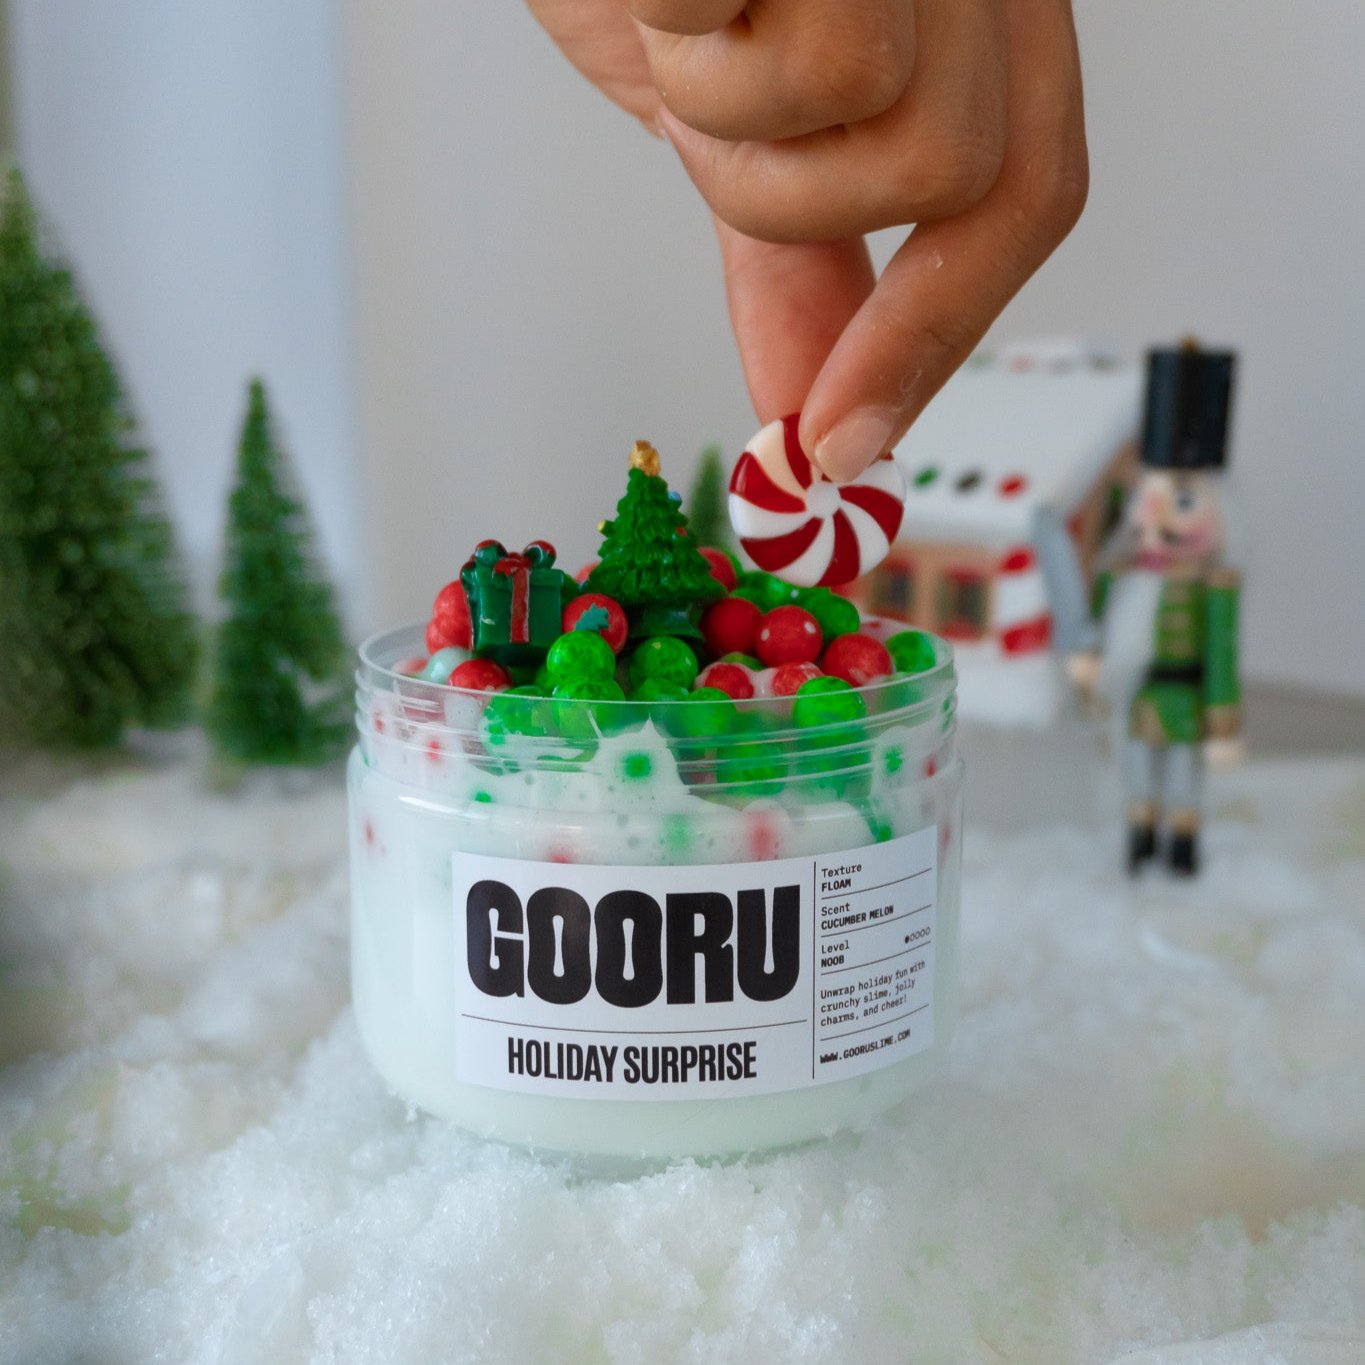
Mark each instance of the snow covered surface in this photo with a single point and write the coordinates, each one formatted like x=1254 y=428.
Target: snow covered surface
x=1149 y=1144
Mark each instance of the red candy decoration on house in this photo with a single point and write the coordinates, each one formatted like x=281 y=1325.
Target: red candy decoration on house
x=857 y=659
x=788 y=635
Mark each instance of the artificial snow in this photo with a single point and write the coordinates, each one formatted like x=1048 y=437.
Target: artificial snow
x=1149 y=1144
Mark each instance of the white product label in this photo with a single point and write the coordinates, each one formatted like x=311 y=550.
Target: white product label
x=659 y=983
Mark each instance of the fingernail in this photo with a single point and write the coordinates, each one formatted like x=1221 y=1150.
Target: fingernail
x=853 y=442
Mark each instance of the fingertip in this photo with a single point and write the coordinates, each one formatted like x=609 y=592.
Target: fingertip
x=847 y=447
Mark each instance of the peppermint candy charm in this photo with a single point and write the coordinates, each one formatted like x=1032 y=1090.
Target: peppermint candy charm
x=795 y=522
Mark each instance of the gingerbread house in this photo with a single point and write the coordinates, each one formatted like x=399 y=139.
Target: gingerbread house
x=1040 y=426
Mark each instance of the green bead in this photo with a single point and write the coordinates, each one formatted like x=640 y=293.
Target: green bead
x=590 y=689
x=665 y=658
x=912 y=651
x=756 y=769
x=755 y=722
x=745 y=660
x=826 y=701
x=767 y=590
x=576 y=716
x=708 y=714
x=544 y=681
x=518 y=711
x=836 y=760
x=835 y=615
x=580 y=654
x=659 y=689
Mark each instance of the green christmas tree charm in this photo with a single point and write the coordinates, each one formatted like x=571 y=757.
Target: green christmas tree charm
x=281 y=686
x=95 y=635
x=706 y=511
x=649 y=561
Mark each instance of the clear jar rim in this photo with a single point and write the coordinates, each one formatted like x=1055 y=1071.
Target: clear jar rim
x=399 y=713
x=381 y=652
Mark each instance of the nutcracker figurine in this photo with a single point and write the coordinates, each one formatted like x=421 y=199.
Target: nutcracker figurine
x=1162 y=639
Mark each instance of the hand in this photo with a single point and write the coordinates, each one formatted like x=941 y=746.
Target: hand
x=807 y=123
x=1222 y=754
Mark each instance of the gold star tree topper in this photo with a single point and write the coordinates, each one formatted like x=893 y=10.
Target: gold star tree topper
x=643 y=456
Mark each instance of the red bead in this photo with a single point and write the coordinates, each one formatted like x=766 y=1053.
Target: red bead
x=788 y=635
x=481 y=675
x=617 y=627
x=857 y=659
x=730 y=626
x=732 y=679
x=789 y=677
x=450 y=619
x=722 y=567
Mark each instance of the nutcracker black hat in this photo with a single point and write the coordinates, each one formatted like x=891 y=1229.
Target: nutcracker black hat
x=1189 y=398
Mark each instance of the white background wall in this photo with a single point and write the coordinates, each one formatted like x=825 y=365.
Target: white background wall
x=534 y=282
x=189 y=158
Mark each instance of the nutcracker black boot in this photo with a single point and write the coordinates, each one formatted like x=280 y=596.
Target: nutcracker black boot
x=1183 y=853
x=1141 y=847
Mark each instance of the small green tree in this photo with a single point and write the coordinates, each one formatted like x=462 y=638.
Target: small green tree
x=95 y=635
x=281 y=690
x=649 y=558
x=706 y=510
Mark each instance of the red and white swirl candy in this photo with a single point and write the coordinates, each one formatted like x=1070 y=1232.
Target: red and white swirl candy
x=793 y=521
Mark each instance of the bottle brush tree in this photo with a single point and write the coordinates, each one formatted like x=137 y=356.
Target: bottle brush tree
x=707 y=514
x=95 y=634
x=281 y=684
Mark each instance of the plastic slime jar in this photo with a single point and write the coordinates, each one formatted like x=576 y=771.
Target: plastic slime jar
x=653 y=929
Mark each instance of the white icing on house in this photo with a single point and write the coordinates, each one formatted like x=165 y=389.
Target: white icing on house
x=1040 y=425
